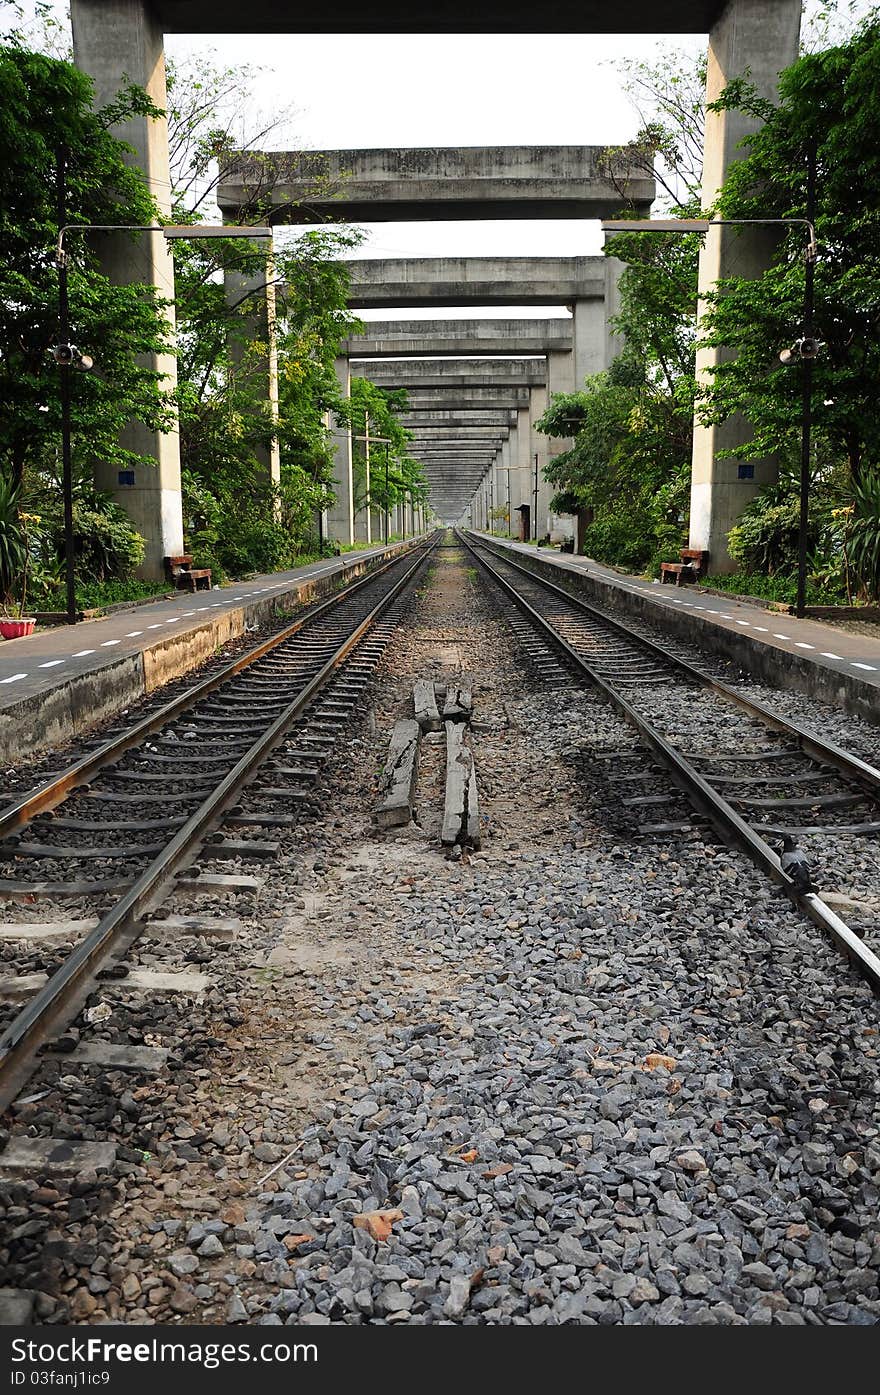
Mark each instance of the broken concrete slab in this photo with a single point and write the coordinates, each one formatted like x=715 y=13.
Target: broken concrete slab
x=458 y=704
x=399 y=775
x=425 y=705
x=461 y=813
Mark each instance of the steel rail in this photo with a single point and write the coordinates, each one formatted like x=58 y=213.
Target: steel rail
x=58 y=1001
x=714 y=806
x=56 y=790
x=815 y=746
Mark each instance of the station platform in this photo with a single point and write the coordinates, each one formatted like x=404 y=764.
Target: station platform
x=58 y=683
x=812 y=656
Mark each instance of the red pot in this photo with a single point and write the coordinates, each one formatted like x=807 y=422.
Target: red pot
x=15 y=629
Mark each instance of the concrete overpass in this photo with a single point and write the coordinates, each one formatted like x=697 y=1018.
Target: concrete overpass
x=116 y=40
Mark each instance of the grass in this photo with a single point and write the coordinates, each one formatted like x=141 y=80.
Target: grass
x=94 y=595
x=774 y=588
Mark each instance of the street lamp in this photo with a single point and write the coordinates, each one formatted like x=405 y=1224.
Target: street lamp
x=804 y=350
x=68 y=356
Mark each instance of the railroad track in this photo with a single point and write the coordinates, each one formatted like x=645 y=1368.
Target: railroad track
x=205 y=775
x=752 y=774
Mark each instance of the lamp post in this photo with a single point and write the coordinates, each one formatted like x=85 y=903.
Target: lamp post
x=805 y=348
x=68 y=356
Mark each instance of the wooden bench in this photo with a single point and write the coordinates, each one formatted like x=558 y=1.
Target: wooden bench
x=691 y=566
x=185 y=577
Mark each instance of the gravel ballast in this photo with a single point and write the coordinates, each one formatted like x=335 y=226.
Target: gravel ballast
x=580 y=1077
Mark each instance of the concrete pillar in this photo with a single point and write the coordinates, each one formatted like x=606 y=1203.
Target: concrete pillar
x=588 y=331
x=502 y=471
x=254 y=346
x=560 y=379
x=614 y=343
x=340 y=518
x=114 y=40
x=757 y=38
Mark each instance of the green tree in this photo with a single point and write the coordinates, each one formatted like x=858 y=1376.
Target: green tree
x=59 y=153
x=629 y=465
x=380 y=409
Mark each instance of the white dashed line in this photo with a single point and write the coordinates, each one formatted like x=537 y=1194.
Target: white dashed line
x=53 y=663
x=154 y=627
x=173 y=621
x=109 y=643
x=826 y=654
x=869 y=668
x=747 y=623
x=762 y=628
x=81 y=653
x=799 y=644
x=776 y=636
x=13 y=678
x=132 y=634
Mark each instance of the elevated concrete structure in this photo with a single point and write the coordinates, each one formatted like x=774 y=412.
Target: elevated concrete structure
x=118 y=39
x=430 y=183
x=455 y=17
x=415 y=338
x=584 y=285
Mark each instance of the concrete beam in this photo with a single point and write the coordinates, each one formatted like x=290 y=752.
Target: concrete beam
x=423 y=399
x=387 y=284
x=415 y=338
x=459 y=433
x=460 y=416
x=456 y=373
x=432 y=183
x=455 y=17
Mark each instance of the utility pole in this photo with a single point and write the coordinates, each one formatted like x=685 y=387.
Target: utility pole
x=536 y=496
